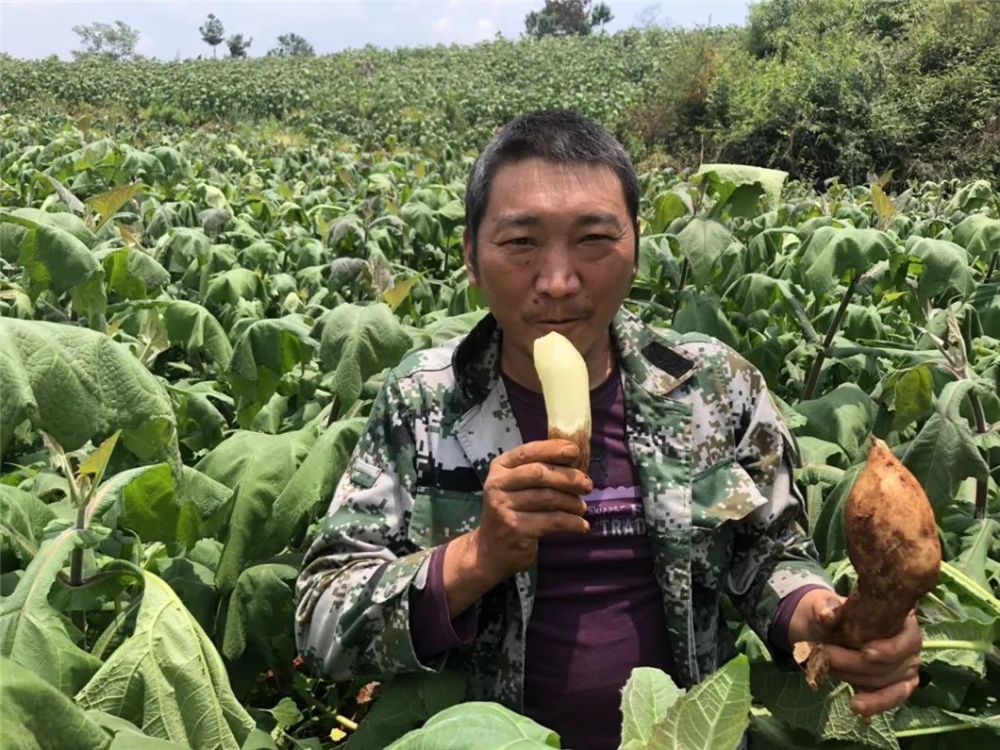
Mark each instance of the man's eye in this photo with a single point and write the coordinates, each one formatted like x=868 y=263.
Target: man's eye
x=598 y=238
x=520 y=242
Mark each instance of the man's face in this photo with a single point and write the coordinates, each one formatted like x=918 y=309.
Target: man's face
x=556 y=253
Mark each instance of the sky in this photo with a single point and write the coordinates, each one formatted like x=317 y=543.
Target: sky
x=169 y=28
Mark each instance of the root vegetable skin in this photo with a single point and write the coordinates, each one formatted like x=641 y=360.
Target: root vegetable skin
x=566 y=388
x=893 y=544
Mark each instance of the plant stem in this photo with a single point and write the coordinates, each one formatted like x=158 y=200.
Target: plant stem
x=992 y=267
x=685 y=267
x=981 y=488
x=76 y=570
x=813 y=380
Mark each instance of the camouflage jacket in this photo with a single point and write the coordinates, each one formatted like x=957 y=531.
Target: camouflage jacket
x=714 y=461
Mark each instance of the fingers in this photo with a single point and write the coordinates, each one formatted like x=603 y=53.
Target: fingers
x=854 y=667
x=562 y=452
x=537 y=525
x=547 y=500
x=869 y=703
x=898 y=648
x=542 y=475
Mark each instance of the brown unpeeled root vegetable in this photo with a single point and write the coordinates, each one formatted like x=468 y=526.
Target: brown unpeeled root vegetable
x=893 y=544
x=566 y=388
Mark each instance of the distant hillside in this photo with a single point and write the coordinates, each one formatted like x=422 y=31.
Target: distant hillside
x=820 y=88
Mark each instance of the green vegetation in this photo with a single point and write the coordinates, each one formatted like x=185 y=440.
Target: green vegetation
x=196 y=313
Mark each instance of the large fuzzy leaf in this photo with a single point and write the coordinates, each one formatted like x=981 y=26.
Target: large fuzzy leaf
x=36 y=716
x=168 y=679
x=77 y=384
x=22 y=518
x=824 y=714
x=33 y=634
x=260 y=616
x=646 y=698
x=406 y=702
x=478 y=726
x=258 y=467
x=357 y=342
x=55 y=259
x=829 y=253
x=712 y=716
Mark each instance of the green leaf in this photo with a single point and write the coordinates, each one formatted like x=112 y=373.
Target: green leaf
x=265 y=350
x=712 y=716
x=286 y=714
x=824 y=714
x=131 y=273
x=829 y=532
x=35 y=635
x=37 y=716
x=944 y=452
x=979 y=235
x=703 y=241
x=149 y=502
x=228 y=287
x=23 y=518
x=195 y=329
x=357 y=342
x=78 y=385
x=842 y=416
x=914 y=721
x=945 y=268
x=406 y=702
x=959 y=643
x=307 y=494
x=702 y=313
x=771 y=181
x=478 y=726
x=55 y=259
x=168 y=679
x=260 y=616
x=913 y=396
x=258 y=467
x=829 y=253
x=646 y=697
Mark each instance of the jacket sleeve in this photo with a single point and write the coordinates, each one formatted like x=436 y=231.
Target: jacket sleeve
x=772 y=553
x=353 y=603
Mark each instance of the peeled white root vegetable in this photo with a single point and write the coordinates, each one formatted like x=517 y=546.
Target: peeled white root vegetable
x=566 y=388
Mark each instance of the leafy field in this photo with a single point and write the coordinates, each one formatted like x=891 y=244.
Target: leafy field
x=194 y=326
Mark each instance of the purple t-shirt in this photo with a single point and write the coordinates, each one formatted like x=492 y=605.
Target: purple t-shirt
x=598 y=609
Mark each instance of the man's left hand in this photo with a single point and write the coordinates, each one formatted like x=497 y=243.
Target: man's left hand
x=883 y=672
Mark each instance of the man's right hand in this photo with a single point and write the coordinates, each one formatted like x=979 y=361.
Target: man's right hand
x=530 y=492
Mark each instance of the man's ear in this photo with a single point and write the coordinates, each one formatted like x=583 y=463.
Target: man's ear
x=470 y=266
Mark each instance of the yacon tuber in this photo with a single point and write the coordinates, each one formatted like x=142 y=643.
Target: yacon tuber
x=566 y=388
x=893 y=544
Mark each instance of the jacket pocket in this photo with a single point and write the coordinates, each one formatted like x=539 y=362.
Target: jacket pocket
x=721 y=496
x=441 y=515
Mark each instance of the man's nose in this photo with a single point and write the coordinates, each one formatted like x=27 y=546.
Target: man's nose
x=557 y=275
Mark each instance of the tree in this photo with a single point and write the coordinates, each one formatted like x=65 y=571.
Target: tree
x=112 y=41
x=566 y=18
x=600 y=15
x=292 y=45
x=238 y=45
x=212 y=32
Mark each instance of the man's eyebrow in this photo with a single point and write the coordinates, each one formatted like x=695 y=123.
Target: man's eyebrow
x=519 y=221
x=598 y=217
x=523 y=221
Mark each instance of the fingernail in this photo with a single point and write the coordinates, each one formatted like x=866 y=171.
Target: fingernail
x=859 y=707
x=870 y=653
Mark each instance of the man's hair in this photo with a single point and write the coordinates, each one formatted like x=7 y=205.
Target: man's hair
x=558 y=136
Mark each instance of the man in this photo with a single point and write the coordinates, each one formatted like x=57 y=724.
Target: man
x=461 y=537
